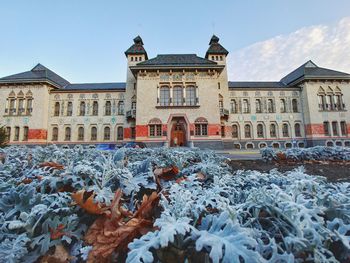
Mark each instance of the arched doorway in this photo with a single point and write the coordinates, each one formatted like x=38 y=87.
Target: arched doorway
x=178 y=133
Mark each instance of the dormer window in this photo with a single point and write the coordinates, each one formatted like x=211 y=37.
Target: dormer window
x=132 y=58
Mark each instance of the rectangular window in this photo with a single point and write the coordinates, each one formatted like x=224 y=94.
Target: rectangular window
x=12 y=106
x=133 y=132
x=343 y=128
x=177 y=96
x=25 y=133
x=326 y=128
x=335 y=128
x=8 y=133
x=29 y=106
x=155 y=130
x=16 y=137
x=190 y=96
x=21 y=106
x=164 y=96
x=201 y=129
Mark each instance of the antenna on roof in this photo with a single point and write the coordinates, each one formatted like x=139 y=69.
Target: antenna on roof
x=213 y=27
x=139 y=26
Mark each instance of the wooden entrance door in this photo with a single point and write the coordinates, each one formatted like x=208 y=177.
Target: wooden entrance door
x=178 y=136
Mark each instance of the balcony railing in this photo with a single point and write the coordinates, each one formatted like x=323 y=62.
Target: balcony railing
x=131 y=114
x=224 y=112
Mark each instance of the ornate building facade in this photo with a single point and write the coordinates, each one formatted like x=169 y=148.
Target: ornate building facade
x=179 y=100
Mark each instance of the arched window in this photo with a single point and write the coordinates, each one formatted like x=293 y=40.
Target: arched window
x=70 y=108
x=295 y=105
x=120 y=133
x=321 y=99
x=29 y=105
x=107 y=134
x=54 y=134
x=235 y=131
x=297 y=130
x=270 y=106
x=82 y=108
x=108 y=108
x=67 y=134
x=93 y=134
x=121 y=107
x=164 y=96
x=80 y=134
x=190 y=96
x=246 y=108
x=247 y=131
x=283 y=105
x=258 y=106
x=95 y=108
x=233 y=106
x=16 y=137
x=285 y=130
x=177 y=96
x=273 y=130
x=260 y=130
x=57 y=109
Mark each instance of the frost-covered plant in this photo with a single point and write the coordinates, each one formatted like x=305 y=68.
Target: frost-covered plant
x=243 y=216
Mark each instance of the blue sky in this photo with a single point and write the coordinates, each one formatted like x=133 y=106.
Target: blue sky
x=84 y=41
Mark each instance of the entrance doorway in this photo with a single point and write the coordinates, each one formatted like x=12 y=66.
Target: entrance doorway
x=178 y=132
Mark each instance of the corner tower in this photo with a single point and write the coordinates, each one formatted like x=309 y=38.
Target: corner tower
x=134 y=54
x=217 y=53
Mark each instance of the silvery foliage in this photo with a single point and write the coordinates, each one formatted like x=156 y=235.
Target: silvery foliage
x=317 y=153
x=246 y=215
x=274 y=217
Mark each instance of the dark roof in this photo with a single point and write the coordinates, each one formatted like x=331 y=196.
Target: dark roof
x=215 y=47
x=310 y=70
x=38 y=73
x=255 y=84
x=177 y=60
x=95 y=86
x=136 y=48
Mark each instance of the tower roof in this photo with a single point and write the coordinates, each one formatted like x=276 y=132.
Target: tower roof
x=215 y=47
x=137 y=48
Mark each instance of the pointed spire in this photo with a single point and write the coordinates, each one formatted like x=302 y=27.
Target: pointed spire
x=137 y=48
x=215 y=47
x=214 y=39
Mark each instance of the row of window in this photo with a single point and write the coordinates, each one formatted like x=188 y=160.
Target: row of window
x=83 y=108
x=261 y=133
x=329 y=100
x=136 y=58
x=335 y=130
x=177 y=96
x=17 y=133
x=217 y=58
x=155 y=130
x=19 y=106
x=238 y=106
x=93 y=133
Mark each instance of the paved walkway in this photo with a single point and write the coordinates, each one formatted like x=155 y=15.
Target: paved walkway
x=241 y=154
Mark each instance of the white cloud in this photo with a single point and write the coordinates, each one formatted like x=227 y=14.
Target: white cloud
x=326 y=45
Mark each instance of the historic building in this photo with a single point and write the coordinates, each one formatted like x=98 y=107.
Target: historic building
x=178 y=100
